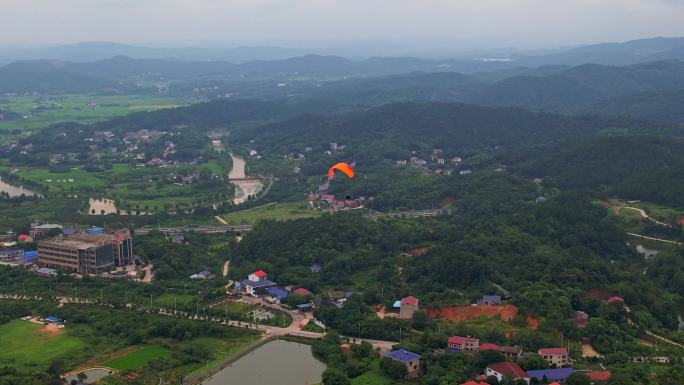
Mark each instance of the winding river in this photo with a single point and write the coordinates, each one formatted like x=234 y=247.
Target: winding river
x=243 y=188
x=15 y=191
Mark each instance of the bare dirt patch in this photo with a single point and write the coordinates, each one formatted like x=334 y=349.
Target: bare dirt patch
x=50 y=329
x=467 y=313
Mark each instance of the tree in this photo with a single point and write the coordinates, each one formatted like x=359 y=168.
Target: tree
x=393 y=369
x=578 y=379
x=333 y=376
x=421 y=321
x=532 y=361
x=82 y=377
x=486 y=357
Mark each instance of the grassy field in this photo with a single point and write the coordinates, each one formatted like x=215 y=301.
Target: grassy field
x=277 y=211
x=372 y=377
x=138 y=358
x=73 y=179
x=220 y=350
x=45 y=111
x=26 y=346
x=659 y=213
x=169 y=300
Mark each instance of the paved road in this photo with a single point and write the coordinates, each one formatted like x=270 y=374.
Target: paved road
x=373 y=214
x=655 y=239
x=214 y=229
x=292 y=330
x=644 y=215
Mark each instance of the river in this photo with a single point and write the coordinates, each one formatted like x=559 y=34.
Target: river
x=277 y=362
x=14 y=191
x=243 y=188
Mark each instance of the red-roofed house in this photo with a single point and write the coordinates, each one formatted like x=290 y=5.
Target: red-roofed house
x=409 y=305
x=507 y=369
x=471 y=383
x=490 y=346
x=302 y=291
x=257 y=276
x=24 y=238
x=601 y=377
x=463 y=344
x=555 y=356
x=614 y=299
x=680 y=221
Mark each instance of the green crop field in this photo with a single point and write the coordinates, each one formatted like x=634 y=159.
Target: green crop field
x=26 y=346
x=277 y=211
x=62 y=108
x=73 y=179
x=138 y=358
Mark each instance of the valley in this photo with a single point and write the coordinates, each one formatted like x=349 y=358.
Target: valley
x=174 y=221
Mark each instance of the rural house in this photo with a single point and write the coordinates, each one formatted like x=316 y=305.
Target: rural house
x=555 y=356
x=409 y=359
x=507 y=369
x=409 y=305
x=463 y=344
x=488 y=300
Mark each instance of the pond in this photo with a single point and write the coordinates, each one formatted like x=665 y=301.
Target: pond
x=14 y=191
x=92 y=375
x=277 y=362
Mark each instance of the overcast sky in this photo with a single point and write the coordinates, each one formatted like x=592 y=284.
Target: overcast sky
x=489 y=23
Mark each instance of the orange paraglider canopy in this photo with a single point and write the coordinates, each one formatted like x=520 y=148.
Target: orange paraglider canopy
x=344 y=167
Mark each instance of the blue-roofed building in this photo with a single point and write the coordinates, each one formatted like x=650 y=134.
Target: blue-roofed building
x=409 y=359
x=489 y=300
x=560 y=374
x=52 y=319
x=277 y=293
x=30 y=256
x=256 y=287
x=305 y=307
x=315 y=268
x=95 y=230
x=397 y=304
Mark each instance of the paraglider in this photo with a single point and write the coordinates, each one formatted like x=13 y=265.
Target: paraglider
x=342 y=167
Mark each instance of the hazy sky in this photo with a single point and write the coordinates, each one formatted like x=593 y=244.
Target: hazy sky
x=523 y=23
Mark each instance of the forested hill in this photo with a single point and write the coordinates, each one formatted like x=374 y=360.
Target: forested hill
x=576 y=89
x=210 y=115
x=47 y=77
x=634 y=167
x=396 y=129
x=648 y=90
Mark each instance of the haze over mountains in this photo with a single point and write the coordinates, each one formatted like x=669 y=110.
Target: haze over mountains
x=641 y=78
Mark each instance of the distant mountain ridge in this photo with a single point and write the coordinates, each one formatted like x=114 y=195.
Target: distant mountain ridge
x=624 y=53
